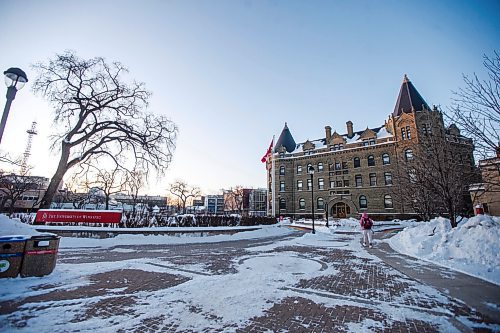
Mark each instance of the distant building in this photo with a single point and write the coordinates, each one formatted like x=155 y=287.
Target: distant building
x=214 y=204
x=25 y=191
x=486 y=195
x=354 y=170
x=257 y=205
x=247 y=202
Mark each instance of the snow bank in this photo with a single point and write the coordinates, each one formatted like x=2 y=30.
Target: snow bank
x=472 y=247
x=10 y=227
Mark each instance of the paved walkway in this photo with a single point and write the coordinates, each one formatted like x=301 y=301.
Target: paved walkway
x=349 y=291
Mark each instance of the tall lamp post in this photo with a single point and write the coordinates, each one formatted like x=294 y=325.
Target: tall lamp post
x=311 y=172
x=15 y=79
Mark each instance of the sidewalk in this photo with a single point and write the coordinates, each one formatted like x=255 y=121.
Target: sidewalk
x=474 y=292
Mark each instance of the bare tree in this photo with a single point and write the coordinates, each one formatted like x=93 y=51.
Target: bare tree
x=136 y=180
x=184 y=192
x=98 y=116
x=233 y=199
x=108 y=181
x=434 y=177
x=13 y=187
x=476 y=108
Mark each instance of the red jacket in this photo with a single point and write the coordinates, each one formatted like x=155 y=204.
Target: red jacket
x=366 y=223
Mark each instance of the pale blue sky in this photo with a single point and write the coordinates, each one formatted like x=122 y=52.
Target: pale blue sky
x=230 y=73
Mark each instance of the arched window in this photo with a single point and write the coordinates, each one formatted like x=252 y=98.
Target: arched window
x=363 y=202
x=357 y=162
x=386 y=159
x=371 y=160
x=320 y=166
x=302 y=203
x=388 y=201
x=309 y=165
x=408 y=154
x=321 y=203
x=282 y=170
x=282 y=204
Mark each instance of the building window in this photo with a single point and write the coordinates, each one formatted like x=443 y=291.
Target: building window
x=371 y=160
x=388 y=201
x=359 y=181
x=339 y=183
x=372 y=142
x=282 y=204
x=338 y=166
x=282 y=186
x=282 y=170
x=302 y=204
x=357 y=162
x=386 y=159
x=344 y=165
x=309 y=184
x=365 y=143
x=403 y=134
x=408 y=133
x=309 y=165
x=408 y=154
x=373 y=179
x=282 y=155
x=299 y=185
x=363 y=203
x=320 y=166
x=299 y=169
x=388 y=178
x=332 y=183
x=321 y=203
x=346 y=182
x=321 y=184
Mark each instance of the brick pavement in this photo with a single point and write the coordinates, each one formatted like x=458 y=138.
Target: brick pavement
x=348 y=294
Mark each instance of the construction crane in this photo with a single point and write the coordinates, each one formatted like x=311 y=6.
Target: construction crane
x=27 y=152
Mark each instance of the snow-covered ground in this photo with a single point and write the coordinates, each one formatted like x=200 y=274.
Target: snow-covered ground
x=265 y=274
x=472 y=247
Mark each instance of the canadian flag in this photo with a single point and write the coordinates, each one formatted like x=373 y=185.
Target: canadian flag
x=268 y=153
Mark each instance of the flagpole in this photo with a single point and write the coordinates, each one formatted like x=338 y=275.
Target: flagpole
x=272 y=181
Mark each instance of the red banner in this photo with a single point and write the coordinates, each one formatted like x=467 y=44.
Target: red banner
x=87 y=216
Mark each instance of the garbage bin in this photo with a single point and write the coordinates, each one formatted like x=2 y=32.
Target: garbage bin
x=11 y=255
x=40 y=255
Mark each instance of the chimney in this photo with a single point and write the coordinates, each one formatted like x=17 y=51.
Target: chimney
x=350 y=132
x=328 y=133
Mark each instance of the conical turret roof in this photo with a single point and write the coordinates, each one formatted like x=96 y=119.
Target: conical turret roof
x=286 y=140
x=409 y=99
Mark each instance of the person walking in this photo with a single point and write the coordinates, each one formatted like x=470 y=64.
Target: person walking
x=366 y=227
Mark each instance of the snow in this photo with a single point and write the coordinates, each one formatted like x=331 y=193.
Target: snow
x=266 y=274
x=13 y=227
x=472 y=247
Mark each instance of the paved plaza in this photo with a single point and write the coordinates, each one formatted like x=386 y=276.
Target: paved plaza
x=337 y=287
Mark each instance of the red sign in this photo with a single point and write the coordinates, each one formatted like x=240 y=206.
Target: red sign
x=87 y=216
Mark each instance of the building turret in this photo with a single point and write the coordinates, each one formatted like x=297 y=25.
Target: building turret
x=409 y=100
x=286 y=140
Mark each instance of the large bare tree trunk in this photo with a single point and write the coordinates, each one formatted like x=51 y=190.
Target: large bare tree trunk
x=57 y=178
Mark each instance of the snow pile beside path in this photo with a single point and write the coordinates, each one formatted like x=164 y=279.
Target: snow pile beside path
x=263 y=231
x=10 y=227
x=471 y=247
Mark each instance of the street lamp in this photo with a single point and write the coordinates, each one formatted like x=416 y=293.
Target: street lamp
x=326 y=214
x=311 y=172
x=15 y=79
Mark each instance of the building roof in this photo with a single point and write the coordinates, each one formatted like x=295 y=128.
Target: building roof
x=409 y=99
x=380 y=132
x=286 y=140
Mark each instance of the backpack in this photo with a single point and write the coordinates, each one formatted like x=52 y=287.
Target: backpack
x=367 y=223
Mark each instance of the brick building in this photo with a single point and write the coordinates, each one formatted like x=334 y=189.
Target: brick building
x=354 y=171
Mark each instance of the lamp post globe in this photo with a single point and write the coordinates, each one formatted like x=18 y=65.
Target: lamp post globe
x=311 y=172
x=15 y=79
